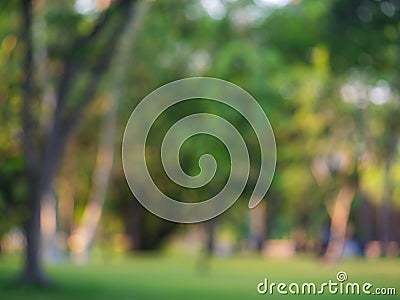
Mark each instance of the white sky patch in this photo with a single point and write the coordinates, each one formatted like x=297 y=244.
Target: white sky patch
x=247 y=15
x=276 y=3
x=355 y=92
x=359 y=93
x=200 y=61
x=215 y=8
x=380 y=94
x=85 y=6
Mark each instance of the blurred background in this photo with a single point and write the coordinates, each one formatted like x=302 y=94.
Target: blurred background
x=325 y=72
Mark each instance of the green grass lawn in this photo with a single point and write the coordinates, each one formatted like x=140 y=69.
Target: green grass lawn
x=170 y=277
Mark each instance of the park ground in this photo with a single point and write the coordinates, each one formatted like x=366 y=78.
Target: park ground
x=174 y=277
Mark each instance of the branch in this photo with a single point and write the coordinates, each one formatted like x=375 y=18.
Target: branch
x=65 y=121
x=100 y=67
x=72 y=67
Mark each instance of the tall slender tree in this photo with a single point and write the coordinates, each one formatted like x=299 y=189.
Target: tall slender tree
x=44 y=146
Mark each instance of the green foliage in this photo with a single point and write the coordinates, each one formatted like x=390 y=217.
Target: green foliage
x=318 y=69
x=13 y=192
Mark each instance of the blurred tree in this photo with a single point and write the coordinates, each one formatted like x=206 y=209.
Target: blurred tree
x=364 y=45
x=85 y=233
x=82 y=58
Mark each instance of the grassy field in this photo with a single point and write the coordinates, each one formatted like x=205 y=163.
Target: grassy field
x=167 y=277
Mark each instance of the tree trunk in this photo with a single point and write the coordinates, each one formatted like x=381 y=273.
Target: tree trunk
x=33 y=272
x=384 y=209
x=134 y=219
x=33 y=268
x=84 y=234
x=258 y=226
x=210 y=237
x=339 y=220
x=40 y=181
x=48 y=211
